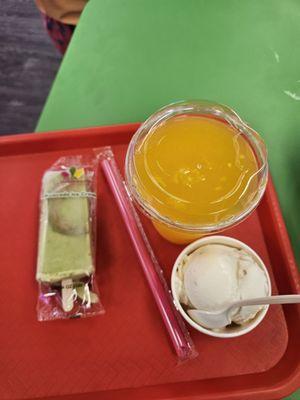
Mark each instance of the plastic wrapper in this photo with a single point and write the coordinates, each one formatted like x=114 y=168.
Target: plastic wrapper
x=178 y=333
x=67 y=238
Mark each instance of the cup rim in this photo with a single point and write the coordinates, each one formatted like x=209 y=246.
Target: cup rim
x=227 y=240
x=207 y=108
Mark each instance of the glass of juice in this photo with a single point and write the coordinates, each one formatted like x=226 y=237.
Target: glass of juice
x=195 y=168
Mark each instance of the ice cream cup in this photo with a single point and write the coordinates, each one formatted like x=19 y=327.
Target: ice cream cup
x=226 y=332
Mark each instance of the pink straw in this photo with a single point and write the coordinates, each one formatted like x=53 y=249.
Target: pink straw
x=173 y=322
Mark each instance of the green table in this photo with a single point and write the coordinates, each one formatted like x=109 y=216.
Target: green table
x=129 y=57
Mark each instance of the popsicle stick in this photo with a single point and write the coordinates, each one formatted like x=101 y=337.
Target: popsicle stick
x=67 y=294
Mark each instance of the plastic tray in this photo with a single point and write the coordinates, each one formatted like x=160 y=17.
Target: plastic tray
x=126 y=354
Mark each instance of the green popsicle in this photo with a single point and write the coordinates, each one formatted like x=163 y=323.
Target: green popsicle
x=65 y=240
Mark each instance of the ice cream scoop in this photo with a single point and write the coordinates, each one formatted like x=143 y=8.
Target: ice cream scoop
x=214 y=277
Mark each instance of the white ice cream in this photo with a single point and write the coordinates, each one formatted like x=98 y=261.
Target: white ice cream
x=215 y=275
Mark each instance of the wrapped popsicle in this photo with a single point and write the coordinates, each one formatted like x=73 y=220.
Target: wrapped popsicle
x=66 y=254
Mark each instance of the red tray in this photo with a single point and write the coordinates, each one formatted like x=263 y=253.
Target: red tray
x=126 y=354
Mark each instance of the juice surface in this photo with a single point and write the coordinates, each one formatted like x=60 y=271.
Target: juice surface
x=196 y=170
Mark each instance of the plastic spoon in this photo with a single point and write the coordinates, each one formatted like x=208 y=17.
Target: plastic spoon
x=222 y=318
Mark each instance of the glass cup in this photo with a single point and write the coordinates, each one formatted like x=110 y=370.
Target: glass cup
x=173 y=228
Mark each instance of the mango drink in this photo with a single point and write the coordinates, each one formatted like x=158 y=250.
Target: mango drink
x=195 y=171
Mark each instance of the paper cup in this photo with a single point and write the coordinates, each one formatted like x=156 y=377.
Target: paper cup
x=225 y=332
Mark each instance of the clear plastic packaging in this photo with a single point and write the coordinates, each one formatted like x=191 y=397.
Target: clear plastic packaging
x=67 y=237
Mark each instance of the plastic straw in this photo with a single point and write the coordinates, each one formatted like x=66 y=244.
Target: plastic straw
x=175 y=326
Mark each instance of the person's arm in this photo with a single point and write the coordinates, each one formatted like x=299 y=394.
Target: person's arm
x=66 y=11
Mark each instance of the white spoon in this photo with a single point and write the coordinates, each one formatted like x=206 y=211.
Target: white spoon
x=222 y=318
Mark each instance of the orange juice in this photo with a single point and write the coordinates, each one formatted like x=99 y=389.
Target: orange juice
x=196 y=171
